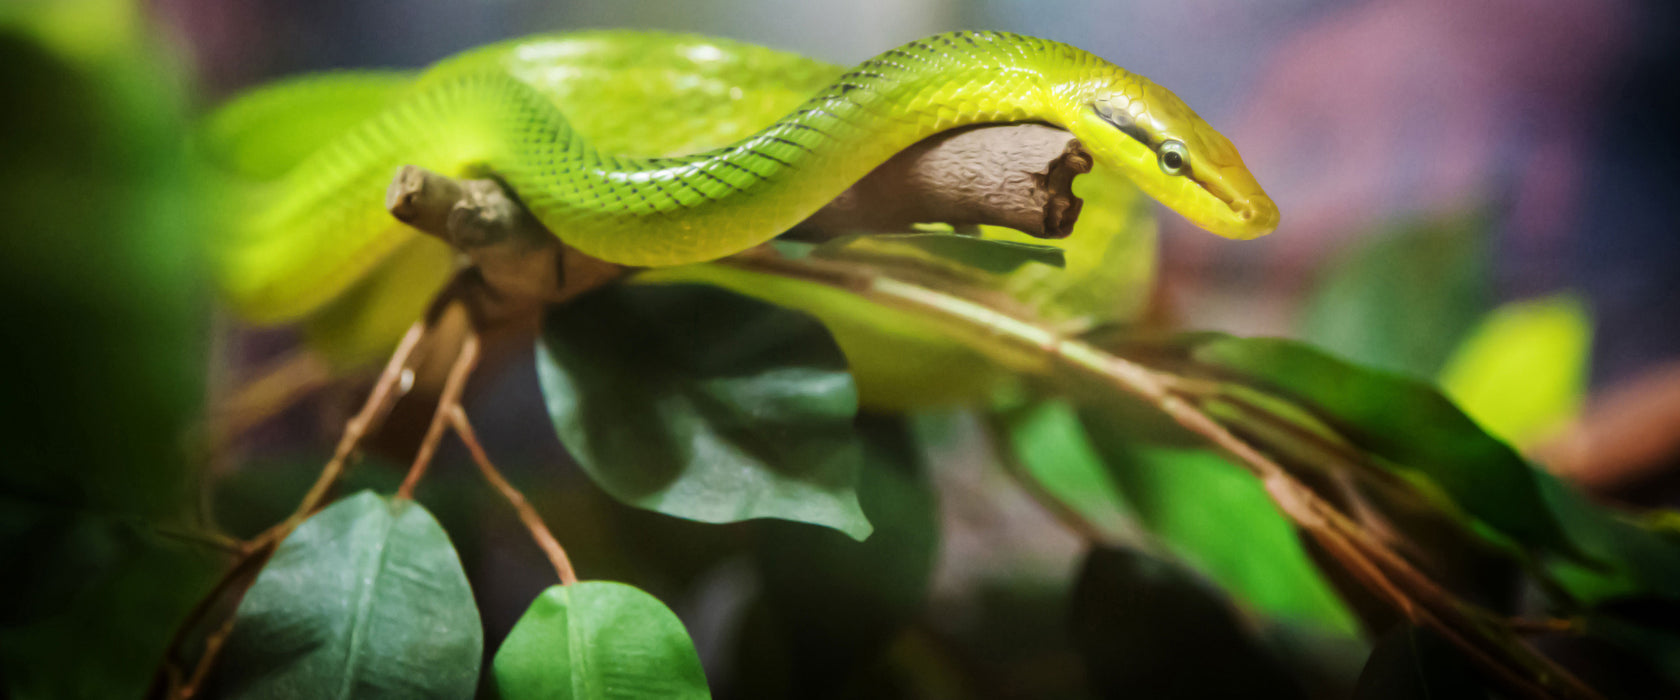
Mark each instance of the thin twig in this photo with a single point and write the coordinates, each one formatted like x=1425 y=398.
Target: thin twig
x=533 y=521
x=212 y=649
x=384 y=395
x=1550 y=625
x=213 y=540
x=246 y=568
x=453 y=387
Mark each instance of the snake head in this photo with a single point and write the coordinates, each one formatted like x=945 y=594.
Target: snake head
x=1173 y=156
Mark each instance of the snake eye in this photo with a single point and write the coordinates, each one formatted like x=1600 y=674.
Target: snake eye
x=1174 y=158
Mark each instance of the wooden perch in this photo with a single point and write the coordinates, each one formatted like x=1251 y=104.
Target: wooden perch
x=1019 y=176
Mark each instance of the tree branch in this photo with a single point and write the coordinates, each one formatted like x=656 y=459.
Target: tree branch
x=1019 y=176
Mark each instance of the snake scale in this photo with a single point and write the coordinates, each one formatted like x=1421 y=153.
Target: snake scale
x=651 y=149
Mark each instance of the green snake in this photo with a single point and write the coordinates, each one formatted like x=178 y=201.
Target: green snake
x=651 y=149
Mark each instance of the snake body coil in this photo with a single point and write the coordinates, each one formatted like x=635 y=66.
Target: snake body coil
x=303 y=237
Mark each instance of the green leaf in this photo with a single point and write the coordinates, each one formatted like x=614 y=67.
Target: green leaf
x=1401 y=299
x=1218 y=518
x=365 y=599
x=704 y=404
x=1401 y=420
x=989 y=255
x=1148 y=628
x=598 y=639
x=1050 y=444
x=1522 y=372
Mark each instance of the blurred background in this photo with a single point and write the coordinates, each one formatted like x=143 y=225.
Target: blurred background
x=1433 y=159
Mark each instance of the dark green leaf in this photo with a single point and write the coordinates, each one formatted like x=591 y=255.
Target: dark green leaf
x=1401 y=299
x=365 y=599
x=838 y=602
x=1628 y=558
x=1150 y=629
x=1219 y=519
x=598 y=639
x=1404 y=421
x=95 y=604
x=1412 y=662
x=1643 y=636
x=986 y=254
x=704 y=404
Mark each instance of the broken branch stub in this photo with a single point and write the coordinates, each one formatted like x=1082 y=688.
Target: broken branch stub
x=1018 y=176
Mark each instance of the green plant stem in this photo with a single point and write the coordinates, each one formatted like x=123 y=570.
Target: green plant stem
x=379 y=402
x=1008 y=339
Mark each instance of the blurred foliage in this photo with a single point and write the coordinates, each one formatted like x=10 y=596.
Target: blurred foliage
x=1521 y=373
x=1401 y=297
x=1403 y=423
x=1053 y=451
x=833 y=605
x=1147 y=628
x=1412 y=662
x=104 y=326
x=1192 y=500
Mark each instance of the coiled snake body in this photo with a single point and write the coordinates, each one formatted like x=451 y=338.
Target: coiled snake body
x=597 y=166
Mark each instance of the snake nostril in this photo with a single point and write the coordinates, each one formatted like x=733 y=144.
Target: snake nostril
x=1256 y=211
